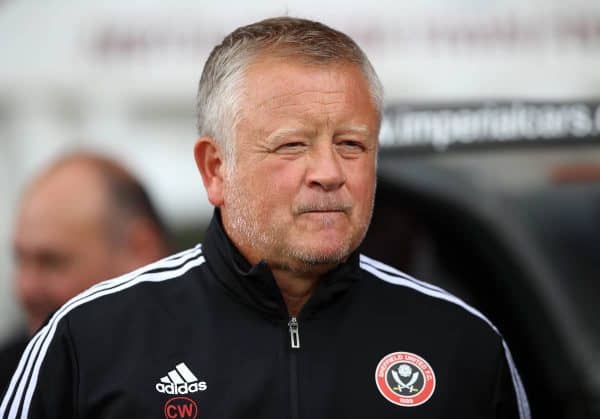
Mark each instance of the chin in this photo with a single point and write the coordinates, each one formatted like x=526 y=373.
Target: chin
x=322 y=255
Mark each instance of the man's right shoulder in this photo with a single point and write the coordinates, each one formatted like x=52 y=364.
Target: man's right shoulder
x=96 y=323
x=129 y=292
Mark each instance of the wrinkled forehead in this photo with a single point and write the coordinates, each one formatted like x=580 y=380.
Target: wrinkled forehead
x=278 y=80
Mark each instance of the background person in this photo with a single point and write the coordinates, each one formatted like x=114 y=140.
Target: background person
x=82 y=220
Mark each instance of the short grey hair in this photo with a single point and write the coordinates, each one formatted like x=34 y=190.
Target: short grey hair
x=220 y=87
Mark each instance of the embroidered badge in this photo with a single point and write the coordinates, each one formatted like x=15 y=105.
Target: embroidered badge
x=181 y=408
x=405 y=379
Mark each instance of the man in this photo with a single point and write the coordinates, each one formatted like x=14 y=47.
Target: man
x=83 y=220
x=275 y=315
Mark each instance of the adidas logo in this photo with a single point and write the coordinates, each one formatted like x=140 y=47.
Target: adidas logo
x=180 y=381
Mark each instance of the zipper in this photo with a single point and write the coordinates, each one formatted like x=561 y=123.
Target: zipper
x=294 y=334
x=295 y=346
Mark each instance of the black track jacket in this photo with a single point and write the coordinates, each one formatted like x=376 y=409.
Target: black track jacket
x=202 y=334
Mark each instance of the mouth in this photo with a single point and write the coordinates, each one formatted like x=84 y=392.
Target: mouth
x=326 y=210
x=325 y=206
x=317 y=211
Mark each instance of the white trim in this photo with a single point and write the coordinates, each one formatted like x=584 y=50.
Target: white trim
x=396 y=277
x=36 y=350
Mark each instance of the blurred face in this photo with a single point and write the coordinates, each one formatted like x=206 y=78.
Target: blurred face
x=60 y=243
x=300 y=195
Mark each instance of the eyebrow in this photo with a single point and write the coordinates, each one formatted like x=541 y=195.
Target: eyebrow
x=282 y=133
x=286 y=132
x=356 y=129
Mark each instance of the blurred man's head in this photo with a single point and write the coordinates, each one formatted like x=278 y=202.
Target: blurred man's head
x=83 y=220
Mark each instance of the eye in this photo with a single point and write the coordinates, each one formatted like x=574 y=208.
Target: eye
x=291 y=147
x=350 y=146
x=52 y=261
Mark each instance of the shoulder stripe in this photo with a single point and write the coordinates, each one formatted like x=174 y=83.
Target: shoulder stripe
x=396 y=277
x=24 y=381
x=393 y=271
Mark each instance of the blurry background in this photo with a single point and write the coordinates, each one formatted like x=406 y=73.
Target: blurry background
x=120 y=77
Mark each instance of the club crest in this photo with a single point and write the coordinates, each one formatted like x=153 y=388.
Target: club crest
x=405 y=379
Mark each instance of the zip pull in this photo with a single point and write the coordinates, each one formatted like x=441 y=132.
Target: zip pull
x=294 y=334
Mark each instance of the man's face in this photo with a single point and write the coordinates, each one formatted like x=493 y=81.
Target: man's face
x=60 y=243
x=301 y=193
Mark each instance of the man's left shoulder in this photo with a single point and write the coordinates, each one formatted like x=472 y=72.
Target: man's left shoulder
x=417 y=322
x=432 y=305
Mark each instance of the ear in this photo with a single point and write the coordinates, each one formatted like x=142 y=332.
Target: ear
x=211 y=166
x=144 y=244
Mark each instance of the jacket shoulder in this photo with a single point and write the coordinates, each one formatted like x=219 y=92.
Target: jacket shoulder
x=439 y=306
x=131 y=287
x=395 y=281
x=52 y=352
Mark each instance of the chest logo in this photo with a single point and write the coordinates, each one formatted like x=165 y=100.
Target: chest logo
x=181 y=408
x=405 y=379
x=180 y=381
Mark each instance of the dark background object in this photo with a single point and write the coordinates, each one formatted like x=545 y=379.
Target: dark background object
x=496 y=223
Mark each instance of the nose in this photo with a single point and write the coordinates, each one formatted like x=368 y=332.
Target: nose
x=325 y=168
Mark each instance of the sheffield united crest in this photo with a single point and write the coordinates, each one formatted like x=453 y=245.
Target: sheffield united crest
x=405 y=379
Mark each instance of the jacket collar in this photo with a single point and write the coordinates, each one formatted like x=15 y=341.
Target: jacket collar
x=255 y=285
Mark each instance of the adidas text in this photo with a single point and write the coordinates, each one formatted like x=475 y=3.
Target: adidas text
x=183 y=388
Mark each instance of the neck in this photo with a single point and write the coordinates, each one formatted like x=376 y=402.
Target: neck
x=295 y=288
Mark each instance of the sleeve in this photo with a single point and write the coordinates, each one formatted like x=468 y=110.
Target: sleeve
x=44 y=385
x=509 y=399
